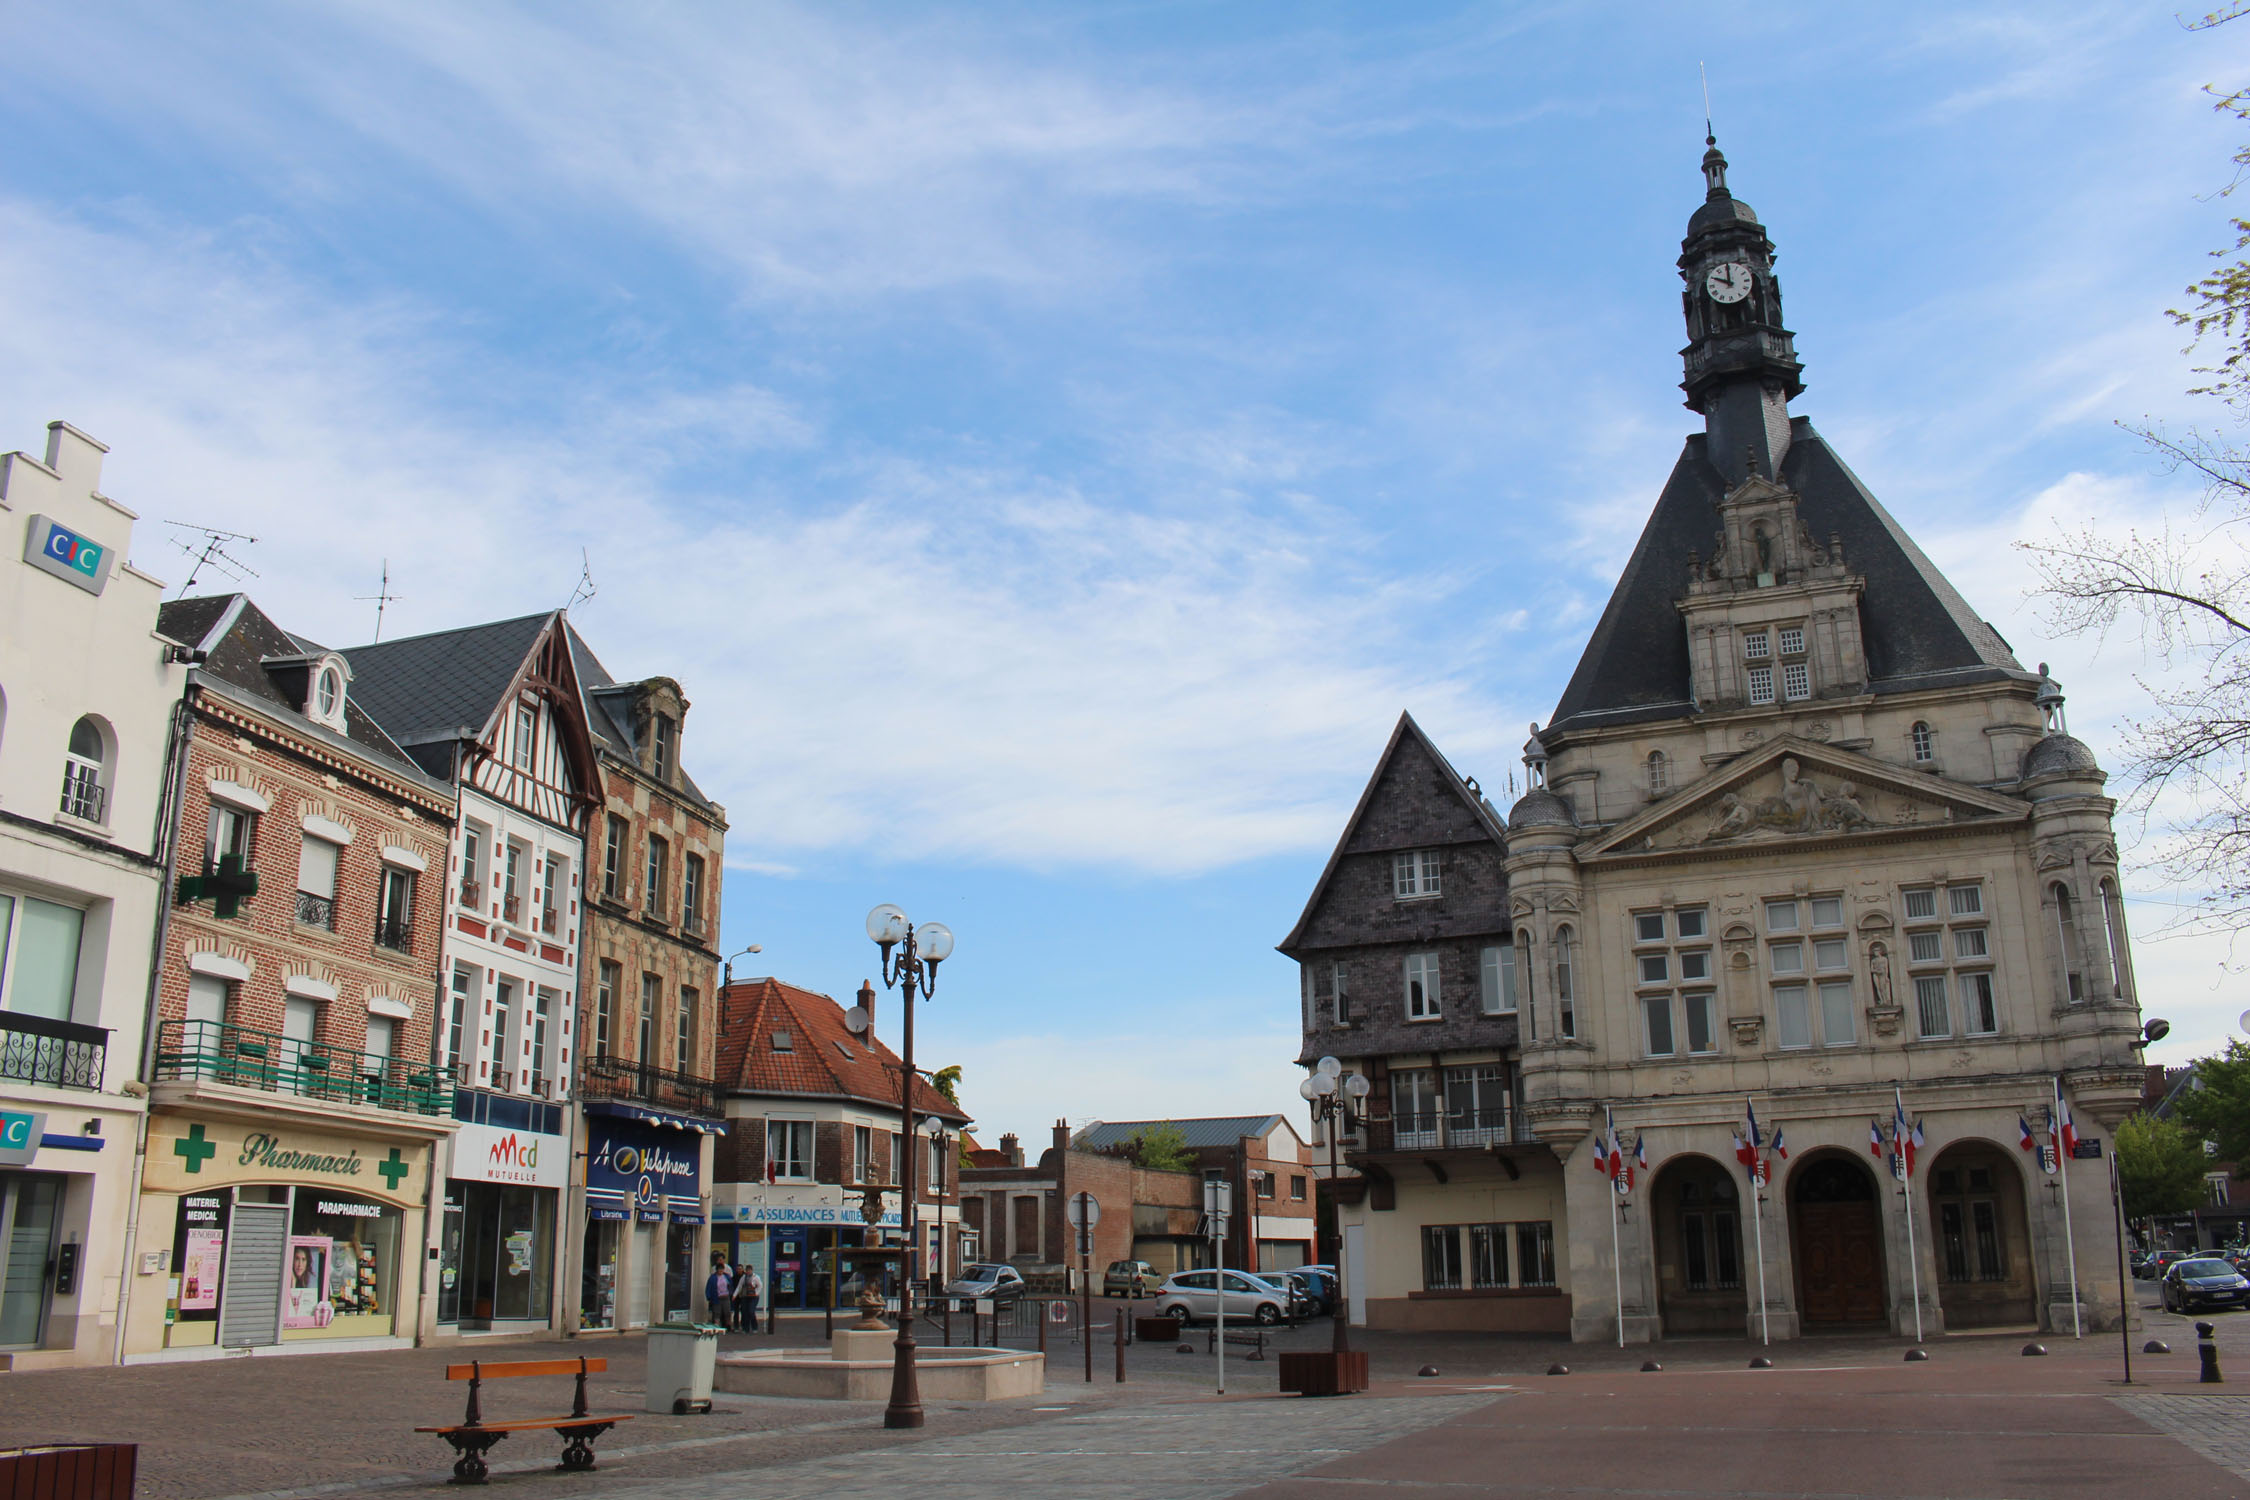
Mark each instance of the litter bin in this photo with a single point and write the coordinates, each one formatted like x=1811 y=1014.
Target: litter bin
x=681 y=1360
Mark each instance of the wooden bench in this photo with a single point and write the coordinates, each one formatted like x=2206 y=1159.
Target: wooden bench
x=473 y=1437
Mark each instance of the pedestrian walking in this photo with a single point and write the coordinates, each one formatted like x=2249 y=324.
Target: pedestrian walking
x=747 y=1289
x=717 y=1291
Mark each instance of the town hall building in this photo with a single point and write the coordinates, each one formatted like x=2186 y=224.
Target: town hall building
x=1802 y=835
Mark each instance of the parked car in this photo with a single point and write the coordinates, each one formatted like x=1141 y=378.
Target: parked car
x=1130 y=1278
x=1193 y=1297
x=1001 y=1283
x=2160 y=1262
x=2205 y=1281
x=1319 y=1286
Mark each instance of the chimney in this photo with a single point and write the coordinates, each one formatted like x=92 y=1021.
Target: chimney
x=1011 y=1149
x=1062 y=1137
x=867 y=1004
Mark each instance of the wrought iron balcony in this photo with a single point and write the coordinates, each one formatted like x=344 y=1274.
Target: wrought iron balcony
x=548 y=921
x=58 y=1054
x=1462 y=1129
x=221 y=1052
x=472 y=895
x=83 y=795
x=316 y=911
x=394 y=933
x=616 y=1078
x=511 y=909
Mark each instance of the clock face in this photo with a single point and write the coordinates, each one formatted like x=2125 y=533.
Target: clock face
x=1729 y=281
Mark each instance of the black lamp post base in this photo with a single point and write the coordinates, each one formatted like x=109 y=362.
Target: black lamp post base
x=905 y=1409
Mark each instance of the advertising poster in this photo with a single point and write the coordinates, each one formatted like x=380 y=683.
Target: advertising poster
x=199 y=1268
x=304 y=1301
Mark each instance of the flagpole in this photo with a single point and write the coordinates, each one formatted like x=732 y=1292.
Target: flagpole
x=1616 y=1213
x=1906 y=1167
x=1758 y=1223
x=2070 y=1240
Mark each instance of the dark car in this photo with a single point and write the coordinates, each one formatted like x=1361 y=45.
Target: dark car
x=1319 y=1286
x=2205 y=1281
x=2156 y=1264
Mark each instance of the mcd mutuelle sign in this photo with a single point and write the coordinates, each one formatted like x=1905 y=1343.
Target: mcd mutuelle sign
x=487 y=1153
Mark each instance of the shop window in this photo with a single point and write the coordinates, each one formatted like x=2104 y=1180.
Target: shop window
x=39 y=943
x=30 y=1208
x=342 y=1268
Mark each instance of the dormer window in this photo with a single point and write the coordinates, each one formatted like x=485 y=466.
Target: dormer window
x=328 y=694
x=662 y=734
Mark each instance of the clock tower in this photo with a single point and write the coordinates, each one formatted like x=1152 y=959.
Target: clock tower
x=1741 y=363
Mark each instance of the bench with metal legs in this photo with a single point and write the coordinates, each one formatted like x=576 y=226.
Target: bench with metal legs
x=473 y=1437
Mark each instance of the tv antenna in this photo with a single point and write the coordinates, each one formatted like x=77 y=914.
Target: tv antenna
x=1710 y=137
x=382 y=598
x=211 y=552
x=585 y=589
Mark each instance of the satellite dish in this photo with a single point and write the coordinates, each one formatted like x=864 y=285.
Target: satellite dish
x=855 y=1020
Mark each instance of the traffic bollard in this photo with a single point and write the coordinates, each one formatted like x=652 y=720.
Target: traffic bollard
x=1121 y=1347
x=2210 y=1355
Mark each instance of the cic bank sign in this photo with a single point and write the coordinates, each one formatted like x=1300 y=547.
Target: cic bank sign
x=488 y=1153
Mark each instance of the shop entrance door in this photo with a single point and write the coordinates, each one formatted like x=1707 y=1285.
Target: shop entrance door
x=449 y=1265
x=642 y=1269
x=250 y=1287
x=28 y=1209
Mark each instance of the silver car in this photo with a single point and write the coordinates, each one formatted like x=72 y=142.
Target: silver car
x=1193 y=1296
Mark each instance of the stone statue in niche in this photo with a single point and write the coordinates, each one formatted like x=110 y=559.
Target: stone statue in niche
x=1764 y=544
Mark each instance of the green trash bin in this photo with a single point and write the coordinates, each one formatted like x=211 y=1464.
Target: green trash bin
x=682 y=1357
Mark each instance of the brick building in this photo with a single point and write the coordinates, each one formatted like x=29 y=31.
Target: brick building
x=650 y=982
x=295 y=1108
x=812 y=1113
x=1265 y=1161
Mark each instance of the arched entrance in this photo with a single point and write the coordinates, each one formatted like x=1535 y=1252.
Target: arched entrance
x=1699 y=1259
x=1982 y=1234
x=1837 y=1231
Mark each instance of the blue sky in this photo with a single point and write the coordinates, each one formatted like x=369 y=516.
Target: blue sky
x=1052 y=444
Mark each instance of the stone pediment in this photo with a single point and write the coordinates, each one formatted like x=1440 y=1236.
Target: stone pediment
x=1791 y=789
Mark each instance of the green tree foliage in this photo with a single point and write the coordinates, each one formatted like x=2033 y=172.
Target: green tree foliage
x=947 y=1081
x=1161 y=1147
x=2219 y=1112
x=2160 y=1166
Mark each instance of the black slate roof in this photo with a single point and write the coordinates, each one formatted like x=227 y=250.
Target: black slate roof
x=425 y=688
x=239 y=639
x=609 y=717
x=1918 y=630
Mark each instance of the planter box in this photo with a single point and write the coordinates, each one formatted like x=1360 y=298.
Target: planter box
x=1156 y=1330
x=91 y=1471
x=1324 y=1373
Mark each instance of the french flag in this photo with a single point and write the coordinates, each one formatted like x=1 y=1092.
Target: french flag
x=2024 y=1137
x=1875 y=1139
x=1640 y=1150
x=1904 y=1136
x=1756 y=1140
x=1742 y=1151
x=1779 y=1149
x=2066 y=1129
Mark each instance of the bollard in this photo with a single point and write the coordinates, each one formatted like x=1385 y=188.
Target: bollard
x=949 y=1325
x=2032 y=1350
x=2156 y=1346
x=1427 y=1371
x=1121 y=1347
x=1558 y=1369
x=1042 y=1314
x=1915 y=1356
x=1650 y=1367
x=2209 y=1352
x=1761 y=1363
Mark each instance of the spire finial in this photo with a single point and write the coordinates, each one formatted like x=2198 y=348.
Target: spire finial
x=1710 y=136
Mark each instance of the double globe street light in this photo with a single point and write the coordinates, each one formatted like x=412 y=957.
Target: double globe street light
x=1339 y=1105
x=913 y=971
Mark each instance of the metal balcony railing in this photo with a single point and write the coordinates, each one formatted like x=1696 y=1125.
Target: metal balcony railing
x=316 y=911
x=221 y=1052
x=548 y=921
x=616 y=1078
x=394 y=933
x=58 y=1054
x=511 y=909
x=503 y=1083
x=1418 y=1130
x=538 y=1085
x=83 y=795
x=472 y=895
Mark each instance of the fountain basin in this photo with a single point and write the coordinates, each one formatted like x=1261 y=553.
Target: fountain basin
x=944 y=1374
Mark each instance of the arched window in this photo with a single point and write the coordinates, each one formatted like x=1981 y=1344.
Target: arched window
x=1566 y=955
x=84 y=792
x=1529 y=995
x=328 y=693
x=2066 y=936
x=2120 y=957
x=1659 y=773
x=1924 y=742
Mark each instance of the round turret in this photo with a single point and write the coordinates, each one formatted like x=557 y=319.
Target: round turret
x=2059 y=754
x=1540 y=808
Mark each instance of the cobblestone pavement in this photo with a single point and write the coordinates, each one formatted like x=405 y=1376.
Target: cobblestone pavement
x=1838 y=1417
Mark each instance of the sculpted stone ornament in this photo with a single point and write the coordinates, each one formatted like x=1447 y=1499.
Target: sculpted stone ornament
x=870 y=1302
x=1801 y=806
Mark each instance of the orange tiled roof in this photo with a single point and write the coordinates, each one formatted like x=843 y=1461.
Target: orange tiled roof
x=823 y=1057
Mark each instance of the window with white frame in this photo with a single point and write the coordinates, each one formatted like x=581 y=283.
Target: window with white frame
x=1497 y=979
x=1761 y=684
x=316 y=882
x=610 y=978
x=1414 y=874
x=1673 y=974
x=660 y=749
x=1566 y=991
x=85 y=790
x=683 y=1040
x=659 y=864
x=652 y=986
x=1422 y=987
x=1792 y=640
x=208 y=998
x=472 y=866
x=461 y=1014
x=1325 y=1000
x=328 y=695
x=789 y=1150
x=863 y=1153
x=613 y=856
x=233 y=832
x=2120 y=957
x=1950 y=959
x=1922 y=743
x=1809 y=967
x=1659 y=773
x=1757 y=645
x=527 y=735
x=1796 y=681
x=542 y=1015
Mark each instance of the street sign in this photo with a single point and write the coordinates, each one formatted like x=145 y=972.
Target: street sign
x=1084 y=1212
x=985 y=1307
x=1058 y=1311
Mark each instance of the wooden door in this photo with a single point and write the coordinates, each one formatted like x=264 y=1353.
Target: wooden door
x=1839 y=1245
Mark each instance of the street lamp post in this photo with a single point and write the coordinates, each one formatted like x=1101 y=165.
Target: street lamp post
x=919 y=952
x=1339 y=1107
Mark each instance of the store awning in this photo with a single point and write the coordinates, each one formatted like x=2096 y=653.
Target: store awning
x=627 y=1109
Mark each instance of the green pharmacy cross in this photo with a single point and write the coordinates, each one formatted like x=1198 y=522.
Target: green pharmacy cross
x=226 y=887
x=195 y=1148
x=394 y=1170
